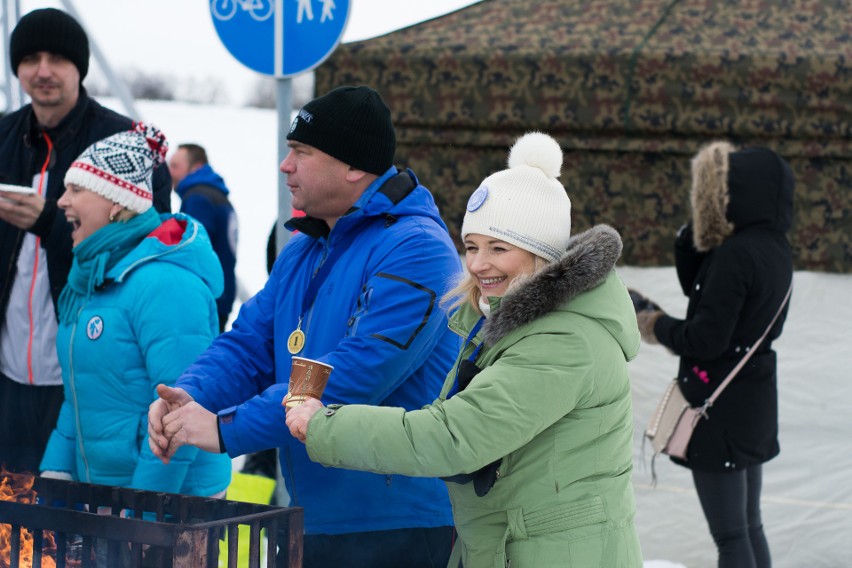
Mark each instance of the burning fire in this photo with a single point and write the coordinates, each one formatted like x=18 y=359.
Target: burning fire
x=19 y=487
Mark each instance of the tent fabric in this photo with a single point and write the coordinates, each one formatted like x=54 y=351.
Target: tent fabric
x=631 y=89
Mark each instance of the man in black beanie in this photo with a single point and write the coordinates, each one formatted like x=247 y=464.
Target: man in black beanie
x=358 y=289
x=49 y=53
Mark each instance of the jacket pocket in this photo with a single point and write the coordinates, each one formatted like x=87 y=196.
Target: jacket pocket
x=360 y=310
x=562 y=517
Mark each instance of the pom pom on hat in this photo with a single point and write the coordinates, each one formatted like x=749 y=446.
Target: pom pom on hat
x=525 y=205
x=121 y=167
x=537 y=150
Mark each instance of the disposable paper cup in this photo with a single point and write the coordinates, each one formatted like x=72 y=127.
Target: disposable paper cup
x=307 y=379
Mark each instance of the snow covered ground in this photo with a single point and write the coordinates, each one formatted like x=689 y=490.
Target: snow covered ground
x=807 y=496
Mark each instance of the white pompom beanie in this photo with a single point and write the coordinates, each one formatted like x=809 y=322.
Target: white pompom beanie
x=121 y=167
x=525 y=205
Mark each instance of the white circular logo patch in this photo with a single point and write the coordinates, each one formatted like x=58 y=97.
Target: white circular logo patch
x=95 y=327
x=477 y=199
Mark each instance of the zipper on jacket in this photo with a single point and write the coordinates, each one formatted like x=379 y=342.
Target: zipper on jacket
x=73 y=388
x=30 y=332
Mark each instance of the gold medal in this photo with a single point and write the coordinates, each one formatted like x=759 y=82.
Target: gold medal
x=296 y=341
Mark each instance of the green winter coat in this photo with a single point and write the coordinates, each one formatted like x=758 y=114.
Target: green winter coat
x=552 y=400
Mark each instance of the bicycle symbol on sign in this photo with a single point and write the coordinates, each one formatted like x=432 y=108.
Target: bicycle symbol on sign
x=224 y=10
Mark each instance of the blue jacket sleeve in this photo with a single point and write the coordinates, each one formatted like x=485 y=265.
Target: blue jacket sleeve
x=61 y=451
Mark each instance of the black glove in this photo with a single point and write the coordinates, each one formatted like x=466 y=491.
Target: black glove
x=483 y=478
x=640 y=302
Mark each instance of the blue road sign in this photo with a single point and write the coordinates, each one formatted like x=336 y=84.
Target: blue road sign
x=280 y=37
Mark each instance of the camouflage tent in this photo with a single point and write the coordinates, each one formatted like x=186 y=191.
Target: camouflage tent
x=631 y=89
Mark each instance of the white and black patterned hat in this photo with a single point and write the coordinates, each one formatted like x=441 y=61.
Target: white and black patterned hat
x=121 y=166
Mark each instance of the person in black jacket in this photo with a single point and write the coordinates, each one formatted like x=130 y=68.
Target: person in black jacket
x=735 y=264
x=49 y=53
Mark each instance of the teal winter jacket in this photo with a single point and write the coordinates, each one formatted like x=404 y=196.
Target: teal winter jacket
x=153 y=317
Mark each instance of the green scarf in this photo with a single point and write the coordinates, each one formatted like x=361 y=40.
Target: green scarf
x=97 y=255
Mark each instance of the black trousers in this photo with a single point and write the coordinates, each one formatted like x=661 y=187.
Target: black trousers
x=731 y=504
x=27 y=418
x=400 y=548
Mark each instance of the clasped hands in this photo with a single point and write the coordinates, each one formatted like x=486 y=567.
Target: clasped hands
x=176 y=420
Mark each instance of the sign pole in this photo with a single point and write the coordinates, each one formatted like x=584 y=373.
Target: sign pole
x=281 y=38
x=284 y=104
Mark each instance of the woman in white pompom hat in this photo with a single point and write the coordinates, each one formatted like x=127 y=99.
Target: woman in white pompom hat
x=533 y=429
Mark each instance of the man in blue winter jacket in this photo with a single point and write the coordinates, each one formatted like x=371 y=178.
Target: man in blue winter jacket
x=357 y=288
x=204 y=196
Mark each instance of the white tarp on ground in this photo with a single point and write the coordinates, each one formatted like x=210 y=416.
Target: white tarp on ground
x=807 y=492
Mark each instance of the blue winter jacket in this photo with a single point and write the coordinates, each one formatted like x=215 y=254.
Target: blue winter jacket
x=152 y=319
x=204 y=195
x=377 y=321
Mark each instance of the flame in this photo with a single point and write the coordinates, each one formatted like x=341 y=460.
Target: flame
x=19 y=487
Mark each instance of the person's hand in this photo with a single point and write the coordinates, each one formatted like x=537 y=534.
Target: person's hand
x=63 y=475
x=20 y=209
x=190 y=425
x=646 y=320
x=299 y=416
x=641 y=302
x=171 y=398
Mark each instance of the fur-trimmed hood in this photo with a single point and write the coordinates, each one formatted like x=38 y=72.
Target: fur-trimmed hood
x=588 y=260
x=737 y=189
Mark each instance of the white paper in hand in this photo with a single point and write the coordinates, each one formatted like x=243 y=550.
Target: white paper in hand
x=14 y=189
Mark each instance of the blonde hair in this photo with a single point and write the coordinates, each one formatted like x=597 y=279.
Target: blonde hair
x=467 y=291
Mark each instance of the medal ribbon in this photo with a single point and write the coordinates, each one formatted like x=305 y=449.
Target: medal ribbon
x=317 y=280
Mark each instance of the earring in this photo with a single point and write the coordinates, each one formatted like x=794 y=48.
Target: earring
x=111 y=217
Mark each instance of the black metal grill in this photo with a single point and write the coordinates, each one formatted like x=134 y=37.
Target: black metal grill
x=146 y=528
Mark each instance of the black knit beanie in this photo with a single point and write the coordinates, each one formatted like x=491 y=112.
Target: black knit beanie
x=352 y=124
x=53 y=31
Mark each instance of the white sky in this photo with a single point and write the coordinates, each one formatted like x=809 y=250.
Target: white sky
x=177 y=36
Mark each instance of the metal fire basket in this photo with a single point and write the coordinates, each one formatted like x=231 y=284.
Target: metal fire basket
x=146 y=528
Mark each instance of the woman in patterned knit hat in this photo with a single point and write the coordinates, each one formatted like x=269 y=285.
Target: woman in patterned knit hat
x=139 y=306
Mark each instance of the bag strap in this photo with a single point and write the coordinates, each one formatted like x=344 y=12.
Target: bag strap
x=709 y=402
